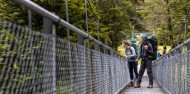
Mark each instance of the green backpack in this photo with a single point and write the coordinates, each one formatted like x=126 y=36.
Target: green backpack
x=134 y=45
x=154 y=41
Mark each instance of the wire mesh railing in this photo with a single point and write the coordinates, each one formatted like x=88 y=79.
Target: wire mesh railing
x=37 y=63
x=172 y=71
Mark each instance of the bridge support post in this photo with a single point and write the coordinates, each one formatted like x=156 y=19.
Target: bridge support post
x=188 y=65
x=105 y=51
x=188 y=46
x=111 y=53
x=112 y=73
x=49 y=28
x=96 y=46
x=80 y=39
x=179 y=50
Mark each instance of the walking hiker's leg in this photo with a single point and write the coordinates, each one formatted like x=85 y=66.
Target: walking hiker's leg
x=135 y=69
x=149 y=72
x=131 y=73
x=141 y=71
x=131 y=70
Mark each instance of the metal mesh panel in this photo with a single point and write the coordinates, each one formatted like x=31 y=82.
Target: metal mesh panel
x=172 y=72
x=26 y=61
x=37 y=63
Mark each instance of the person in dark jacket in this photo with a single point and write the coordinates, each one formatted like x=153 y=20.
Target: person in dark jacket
x=131 y=57
x=146 y=51
x=164 y=51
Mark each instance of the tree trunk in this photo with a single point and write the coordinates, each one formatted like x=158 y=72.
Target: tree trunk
x=169 y=22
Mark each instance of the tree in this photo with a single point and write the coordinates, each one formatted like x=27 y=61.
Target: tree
x=165 y=17
x=13 y=12
x=118 y=18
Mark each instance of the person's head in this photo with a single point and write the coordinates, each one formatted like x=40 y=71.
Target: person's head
x=164 y=47
x=143 y=37
x=126 y=43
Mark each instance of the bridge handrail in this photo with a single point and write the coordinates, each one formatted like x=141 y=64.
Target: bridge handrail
x=35 y=62
x=172 y=70
x=56 y=19
x=39 y=63
x=174 y=49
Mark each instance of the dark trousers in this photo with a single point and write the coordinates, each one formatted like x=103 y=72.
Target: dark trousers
x=133 y=66
x=146 y=65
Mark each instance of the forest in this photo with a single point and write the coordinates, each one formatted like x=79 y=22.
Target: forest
x=111 y=20
x=38 y=63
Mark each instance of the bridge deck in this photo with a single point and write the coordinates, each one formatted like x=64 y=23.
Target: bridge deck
x=144 y=89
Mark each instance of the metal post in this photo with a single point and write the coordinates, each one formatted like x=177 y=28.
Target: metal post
x=30 y=19
x=69 y=44
x=132 y=35
x=85 y=3
x=67 y=18
x=54 y=59
x=188 y=66
x=185 y=33
x=179 y=50
x=86 y=15
x=31 y=43
x=98 y=29
x=47 y=25
x=80 y=39
x=188 y=72
x=112 y=53
x=49 y=28
x=188 y=46
x=105 y=50
x=96 y=47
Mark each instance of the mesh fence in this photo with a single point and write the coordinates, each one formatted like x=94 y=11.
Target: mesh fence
x=37 y=63
x=173 y=72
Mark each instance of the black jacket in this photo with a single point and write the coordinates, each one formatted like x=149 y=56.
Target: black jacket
x=146 y=54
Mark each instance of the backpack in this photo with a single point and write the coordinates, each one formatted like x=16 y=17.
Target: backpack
x=134 y=45
x=154 y=42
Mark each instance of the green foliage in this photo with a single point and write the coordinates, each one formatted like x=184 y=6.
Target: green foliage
x=13 y=12
x=117 y=18
x=166 y=18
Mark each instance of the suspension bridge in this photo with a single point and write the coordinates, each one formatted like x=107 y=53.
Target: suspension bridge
x=41 y=63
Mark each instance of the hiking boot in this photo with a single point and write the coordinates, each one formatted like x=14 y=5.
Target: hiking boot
x=131 y=84
x=150 y=86
x=137 y=85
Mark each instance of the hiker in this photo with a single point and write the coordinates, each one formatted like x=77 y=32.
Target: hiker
x=146 y=52
x=158 y=55
x=131 y=57
x=164 y=51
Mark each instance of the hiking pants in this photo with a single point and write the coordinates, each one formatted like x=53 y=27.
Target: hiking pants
x=133 y=66
x=146 y=65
